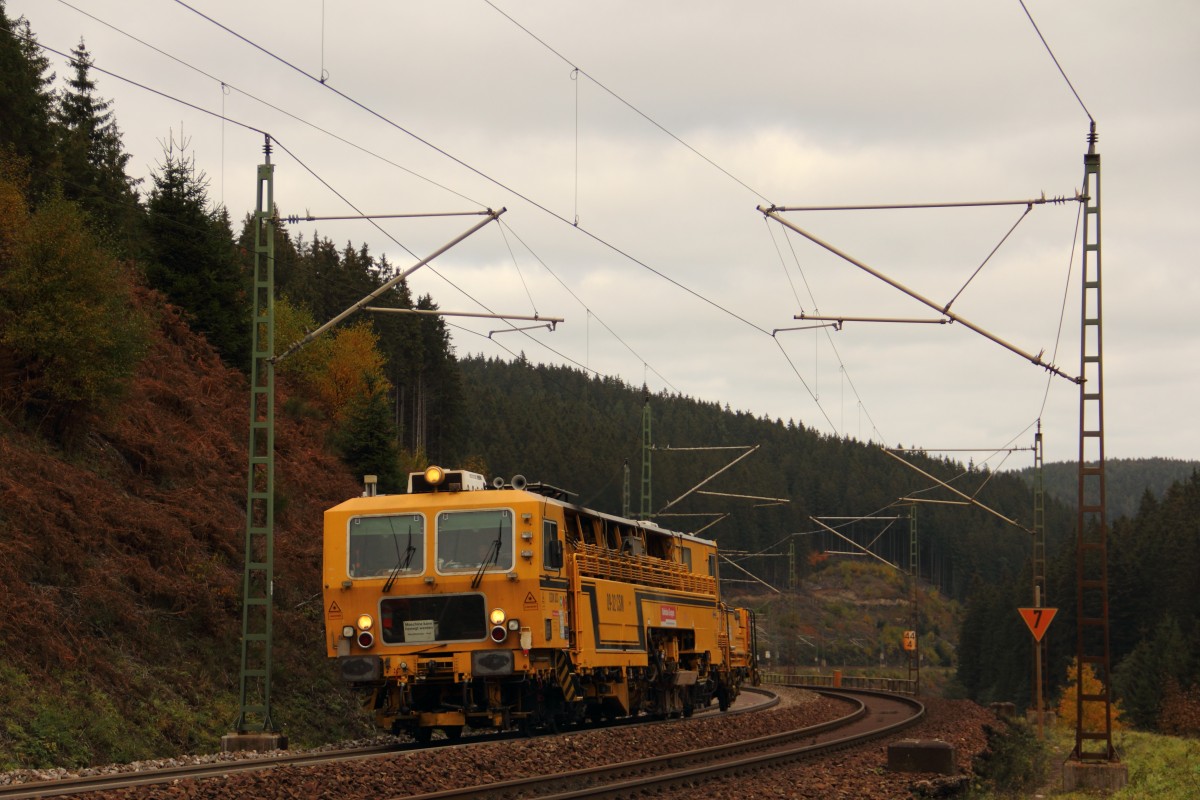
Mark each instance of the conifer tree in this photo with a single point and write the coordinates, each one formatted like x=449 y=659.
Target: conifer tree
x=93 y=155
x=191 y=258
x=367 y=438
x=25 y=96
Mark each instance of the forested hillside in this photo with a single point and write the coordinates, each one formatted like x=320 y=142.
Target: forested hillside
x=557 y=425
x=1126 y=480
x=124 y=332
x=1154 y=618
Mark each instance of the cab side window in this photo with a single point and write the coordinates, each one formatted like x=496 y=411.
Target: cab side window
x=552 y=549
x=686 y=556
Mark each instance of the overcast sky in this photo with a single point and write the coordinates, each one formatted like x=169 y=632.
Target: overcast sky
x=631 y=187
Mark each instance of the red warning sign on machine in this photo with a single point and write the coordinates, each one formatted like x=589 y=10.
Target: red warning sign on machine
x=667 y=615
x=1038 y=619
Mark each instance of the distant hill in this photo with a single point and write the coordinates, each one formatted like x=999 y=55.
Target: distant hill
x=851 y=614
x=1126 y=480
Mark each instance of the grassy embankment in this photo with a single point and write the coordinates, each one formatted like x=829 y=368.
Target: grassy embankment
x=1166 y=767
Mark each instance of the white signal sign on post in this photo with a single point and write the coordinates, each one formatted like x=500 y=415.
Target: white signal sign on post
x=910 y=640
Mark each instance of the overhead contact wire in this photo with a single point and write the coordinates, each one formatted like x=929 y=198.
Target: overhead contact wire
x=299 y=161
x=226 y=85
x=585 y=306
x=627 y=104
x=477 y=171
x=146 y=88
x=502 y=185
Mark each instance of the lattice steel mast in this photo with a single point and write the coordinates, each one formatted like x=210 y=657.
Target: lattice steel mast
x=914 y=579
x=647 y=446
x=254 y=714
x=1092 y=635
x=1039 y=572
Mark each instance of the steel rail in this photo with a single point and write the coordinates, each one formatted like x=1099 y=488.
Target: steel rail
x=63 y=787
x=628 y=779
x=123 y=780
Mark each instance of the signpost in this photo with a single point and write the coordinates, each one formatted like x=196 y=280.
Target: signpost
x=1037 y=620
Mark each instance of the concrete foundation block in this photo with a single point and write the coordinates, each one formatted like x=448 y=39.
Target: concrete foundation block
x=923 y=755
x=1107 y=776
x=258 y=742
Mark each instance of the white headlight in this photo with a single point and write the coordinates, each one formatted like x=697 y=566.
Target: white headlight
x=365 y=622
x=497 y=616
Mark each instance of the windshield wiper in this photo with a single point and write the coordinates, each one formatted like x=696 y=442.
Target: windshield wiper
x=402 y=562
x=492 y=554
x=409 y=550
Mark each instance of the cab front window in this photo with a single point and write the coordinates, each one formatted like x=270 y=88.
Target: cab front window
x=468 y=540
x=385 y=544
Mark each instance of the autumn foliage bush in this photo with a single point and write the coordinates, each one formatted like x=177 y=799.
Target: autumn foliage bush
x=1093 y=712
x=70 y=336
x=1180 y=711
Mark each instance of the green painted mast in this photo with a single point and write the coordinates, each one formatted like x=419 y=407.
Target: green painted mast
x=258 y=579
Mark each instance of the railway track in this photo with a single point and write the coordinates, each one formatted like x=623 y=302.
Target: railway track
x=126 y=780
x=869 y=715
x=194 y=772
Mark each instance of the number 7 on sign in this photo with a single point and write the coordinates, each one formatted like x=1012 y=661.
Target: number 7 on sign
x=1038 y=619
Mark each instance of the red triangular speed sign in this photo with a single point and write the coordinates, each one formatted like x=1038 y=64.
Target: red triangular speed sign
x=1038 y=619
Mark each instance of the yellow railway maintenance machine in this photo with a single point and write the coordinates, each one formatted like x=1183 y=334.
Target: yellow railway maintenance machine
x=463 y=604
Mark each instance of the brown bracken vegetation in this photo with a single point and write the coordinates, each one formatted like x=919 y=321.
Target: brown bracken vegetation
x=121 y=566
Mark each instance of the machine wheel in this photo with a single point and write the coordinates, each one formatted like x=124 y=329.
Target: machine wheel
x=422 y=735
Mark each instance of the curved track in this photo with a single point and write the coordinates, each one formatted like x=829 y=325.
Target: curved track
x=869 y=716
x=129 y=779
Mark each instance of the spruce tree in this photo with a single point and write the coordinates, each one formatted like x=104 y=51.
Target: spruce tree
x=93 y=156
x=27 y=101
x=367 y=438
x=191 y=255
